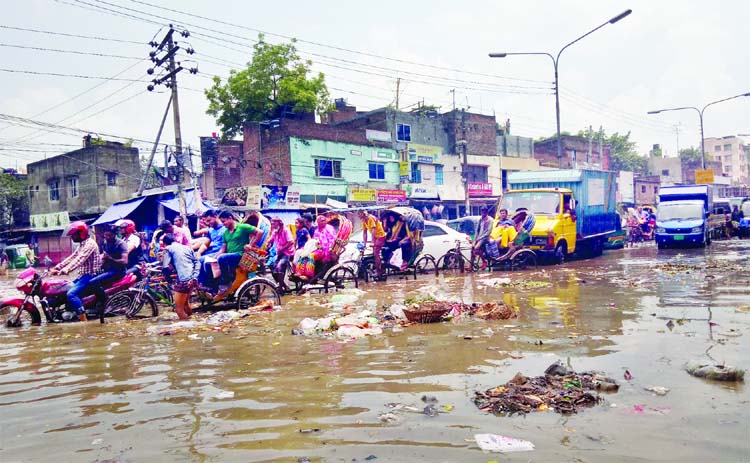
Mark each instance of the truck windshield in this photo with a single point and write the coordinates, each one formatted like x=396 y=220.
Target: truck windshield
x=745 y=208
x=538 y=202
x=680 y=211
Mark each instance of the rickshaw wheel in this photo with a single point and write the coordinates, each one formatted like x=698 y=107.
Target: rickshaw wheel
x=522 y=260
x=257 y=291
x=338 y=276
x=425 y=264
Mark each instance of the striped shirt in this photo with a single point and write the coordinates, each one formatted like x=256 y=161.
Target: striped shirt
x=84 y=261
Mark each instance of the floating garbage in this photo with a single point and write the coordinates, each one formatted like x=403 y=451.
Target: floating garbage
x=658 y=390
x=349 y=327
x=715 y=372
x=502 y=444
x=561 y=389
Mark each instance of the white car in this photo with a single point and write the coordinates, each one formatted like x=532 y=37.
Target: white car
x=438 y=240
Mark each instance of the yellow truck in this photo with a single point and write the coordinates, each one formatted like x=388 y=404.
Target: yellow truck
x=574 y=209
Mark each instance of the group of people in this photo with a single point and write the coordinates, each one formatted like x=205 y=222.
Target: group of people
x=501 y=233
x=388 y=235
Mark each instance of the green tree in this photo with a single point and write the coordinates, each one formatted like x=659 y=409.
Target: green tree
x=624 y=152
x=691 y=154
x=14 y=201
x=276 y=80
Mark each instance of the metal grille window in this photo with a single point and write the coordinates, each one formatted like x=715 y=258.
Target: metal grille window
x=438 y=175
x=54 y=190
x=403 y=132
x=111 y=179
x=416 y=174
x=73 y=187
x=327 y=168
x=377 y=171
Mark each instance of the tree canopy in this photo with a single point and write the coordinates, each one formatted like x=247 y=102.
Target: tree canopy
x=691 y=154
x=276 y=81
x=14 y=201
x=624 y=152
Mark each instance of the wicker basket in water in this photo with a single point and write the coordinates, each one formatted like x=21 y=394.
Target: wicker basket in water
x=427 y=312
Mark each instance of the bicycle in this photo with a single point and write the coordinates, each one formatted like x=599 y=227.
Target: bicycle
x=151 y=290
x=454 y=259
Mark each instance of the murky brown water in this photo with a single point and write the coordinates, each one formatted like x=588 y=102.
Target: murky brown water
x=89 y=392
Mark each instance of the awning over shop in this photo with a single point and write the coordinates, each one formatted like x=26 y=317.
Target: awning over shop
x=118 y=211
x=190 y=205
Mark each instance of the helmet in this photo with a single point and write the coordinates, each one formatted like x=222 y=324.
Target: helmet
x=128 y=224
x=76 y=228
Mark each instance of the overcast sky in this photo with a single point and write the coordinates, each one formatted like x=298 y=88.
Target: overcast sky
x=665 y=54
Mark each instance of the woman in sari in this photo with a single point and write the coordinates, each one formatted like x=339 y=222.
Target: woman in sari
x=326 y=236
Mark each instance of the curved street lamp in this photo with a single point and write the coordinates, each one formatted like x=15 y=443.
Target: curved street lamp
x=700 y=117
x=555 y=62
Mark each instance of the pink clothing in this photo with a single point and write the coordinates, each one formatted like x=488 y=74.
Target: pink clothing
x=326 y=238
x=281 y=240
x=180 y=236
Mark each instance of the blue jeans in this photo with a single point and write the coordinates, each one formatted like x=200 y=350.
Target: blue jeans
x=80 y=285
x=227 y=263
x=103 y=280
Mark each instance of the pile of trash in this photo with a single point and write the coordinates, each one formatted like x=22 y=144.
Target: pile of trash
x=508 y=283
x=560 y=388
x=217 y=321
x=348 y=327
x=715 y=372
x=429 y=311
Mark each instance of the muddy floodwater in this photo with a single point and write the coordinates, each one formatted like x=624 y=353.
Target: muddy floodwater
x=256 y=393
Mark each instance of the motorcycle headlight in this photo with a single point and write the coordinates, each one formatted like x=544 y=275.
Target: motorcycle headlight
x=660 y=230
x=697 y=230
x=21 y=282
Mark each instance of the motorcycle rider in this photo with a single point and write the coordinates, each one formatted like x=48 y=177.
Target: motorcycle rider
x=133 y=242
x=85 y=261
x=114 y=255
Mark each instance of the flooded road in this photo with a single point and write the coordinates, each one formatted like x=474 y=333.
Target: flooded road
x=84 y=393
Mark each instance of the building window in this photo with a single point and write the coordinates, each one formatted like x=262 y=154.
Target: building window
x=438 y=175
x=717 y=148
x=54 y=190
x=111 y=179
x=476 y=174
x=327 y=168
x=656 y=189
x=377 y=171
x=416 y=174
x=643 y=188
x=727 y=169
x=665 y=172
x=727 y=147
x=403 y=132
x=73 y=187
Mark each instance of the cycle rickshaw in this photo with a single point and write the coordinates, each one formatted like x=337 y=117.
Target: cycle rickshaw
x=248 y=288
x=404 y=227
x=316 y=266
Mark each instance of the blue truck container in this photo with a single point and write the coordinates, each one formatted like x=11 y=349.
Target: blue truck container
x=575 y=209
x=683 y=215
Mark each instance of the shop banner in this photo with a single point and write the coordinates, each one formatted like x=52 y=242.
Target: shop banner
x=51 y=221
x=363 y=195
x=425 y=154
x=278 y=196
x=415 y=191
x=391 y=196
x=477 y=189
x=253 y=197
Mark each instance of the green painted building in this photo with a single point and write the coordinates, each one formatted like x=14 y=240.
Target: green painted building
x=327 y=169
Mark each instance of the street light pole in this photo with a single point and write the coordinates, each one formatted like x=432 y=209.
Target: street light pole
x=700 y=117
x=555 y=61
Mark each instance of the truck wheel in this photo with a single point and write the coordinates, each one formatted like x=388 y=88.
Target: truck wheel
x=561 y=250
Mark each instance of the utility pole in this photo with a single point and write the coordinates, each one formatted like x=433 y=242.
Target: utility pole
x=464 y=168
x=591 y=142
x=170 y=80
x=677 y=133
x=153 y=151
x=398 y=90
x=601 y=145
x=453 y=91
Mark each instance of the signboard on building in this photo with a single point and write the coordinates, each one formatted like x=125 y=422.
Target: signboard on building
x=253 y=196
x=51 y=221
x=391 y=197
x=704 y=176
x=424 y=153
x=479 y=189
x=625 y=188
x=416 y=191
x=278 y=196
x=363 y=195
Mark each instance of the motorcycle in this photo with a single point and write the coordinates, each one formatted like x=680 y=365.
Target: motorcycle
x=50 y=295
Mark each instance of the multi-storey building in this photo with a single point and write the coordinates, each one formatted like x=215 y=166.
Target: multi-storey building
x=732 y=152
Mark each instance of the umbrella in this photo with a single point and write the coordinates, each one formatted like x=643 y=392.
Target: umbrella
x=412 y=217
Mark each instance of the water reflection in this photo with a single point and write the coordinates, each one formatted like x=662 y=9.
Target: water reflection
x=102 y=392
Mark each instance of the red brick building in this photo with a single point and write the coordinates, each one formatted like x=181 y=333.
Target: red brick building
x=575 y=153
